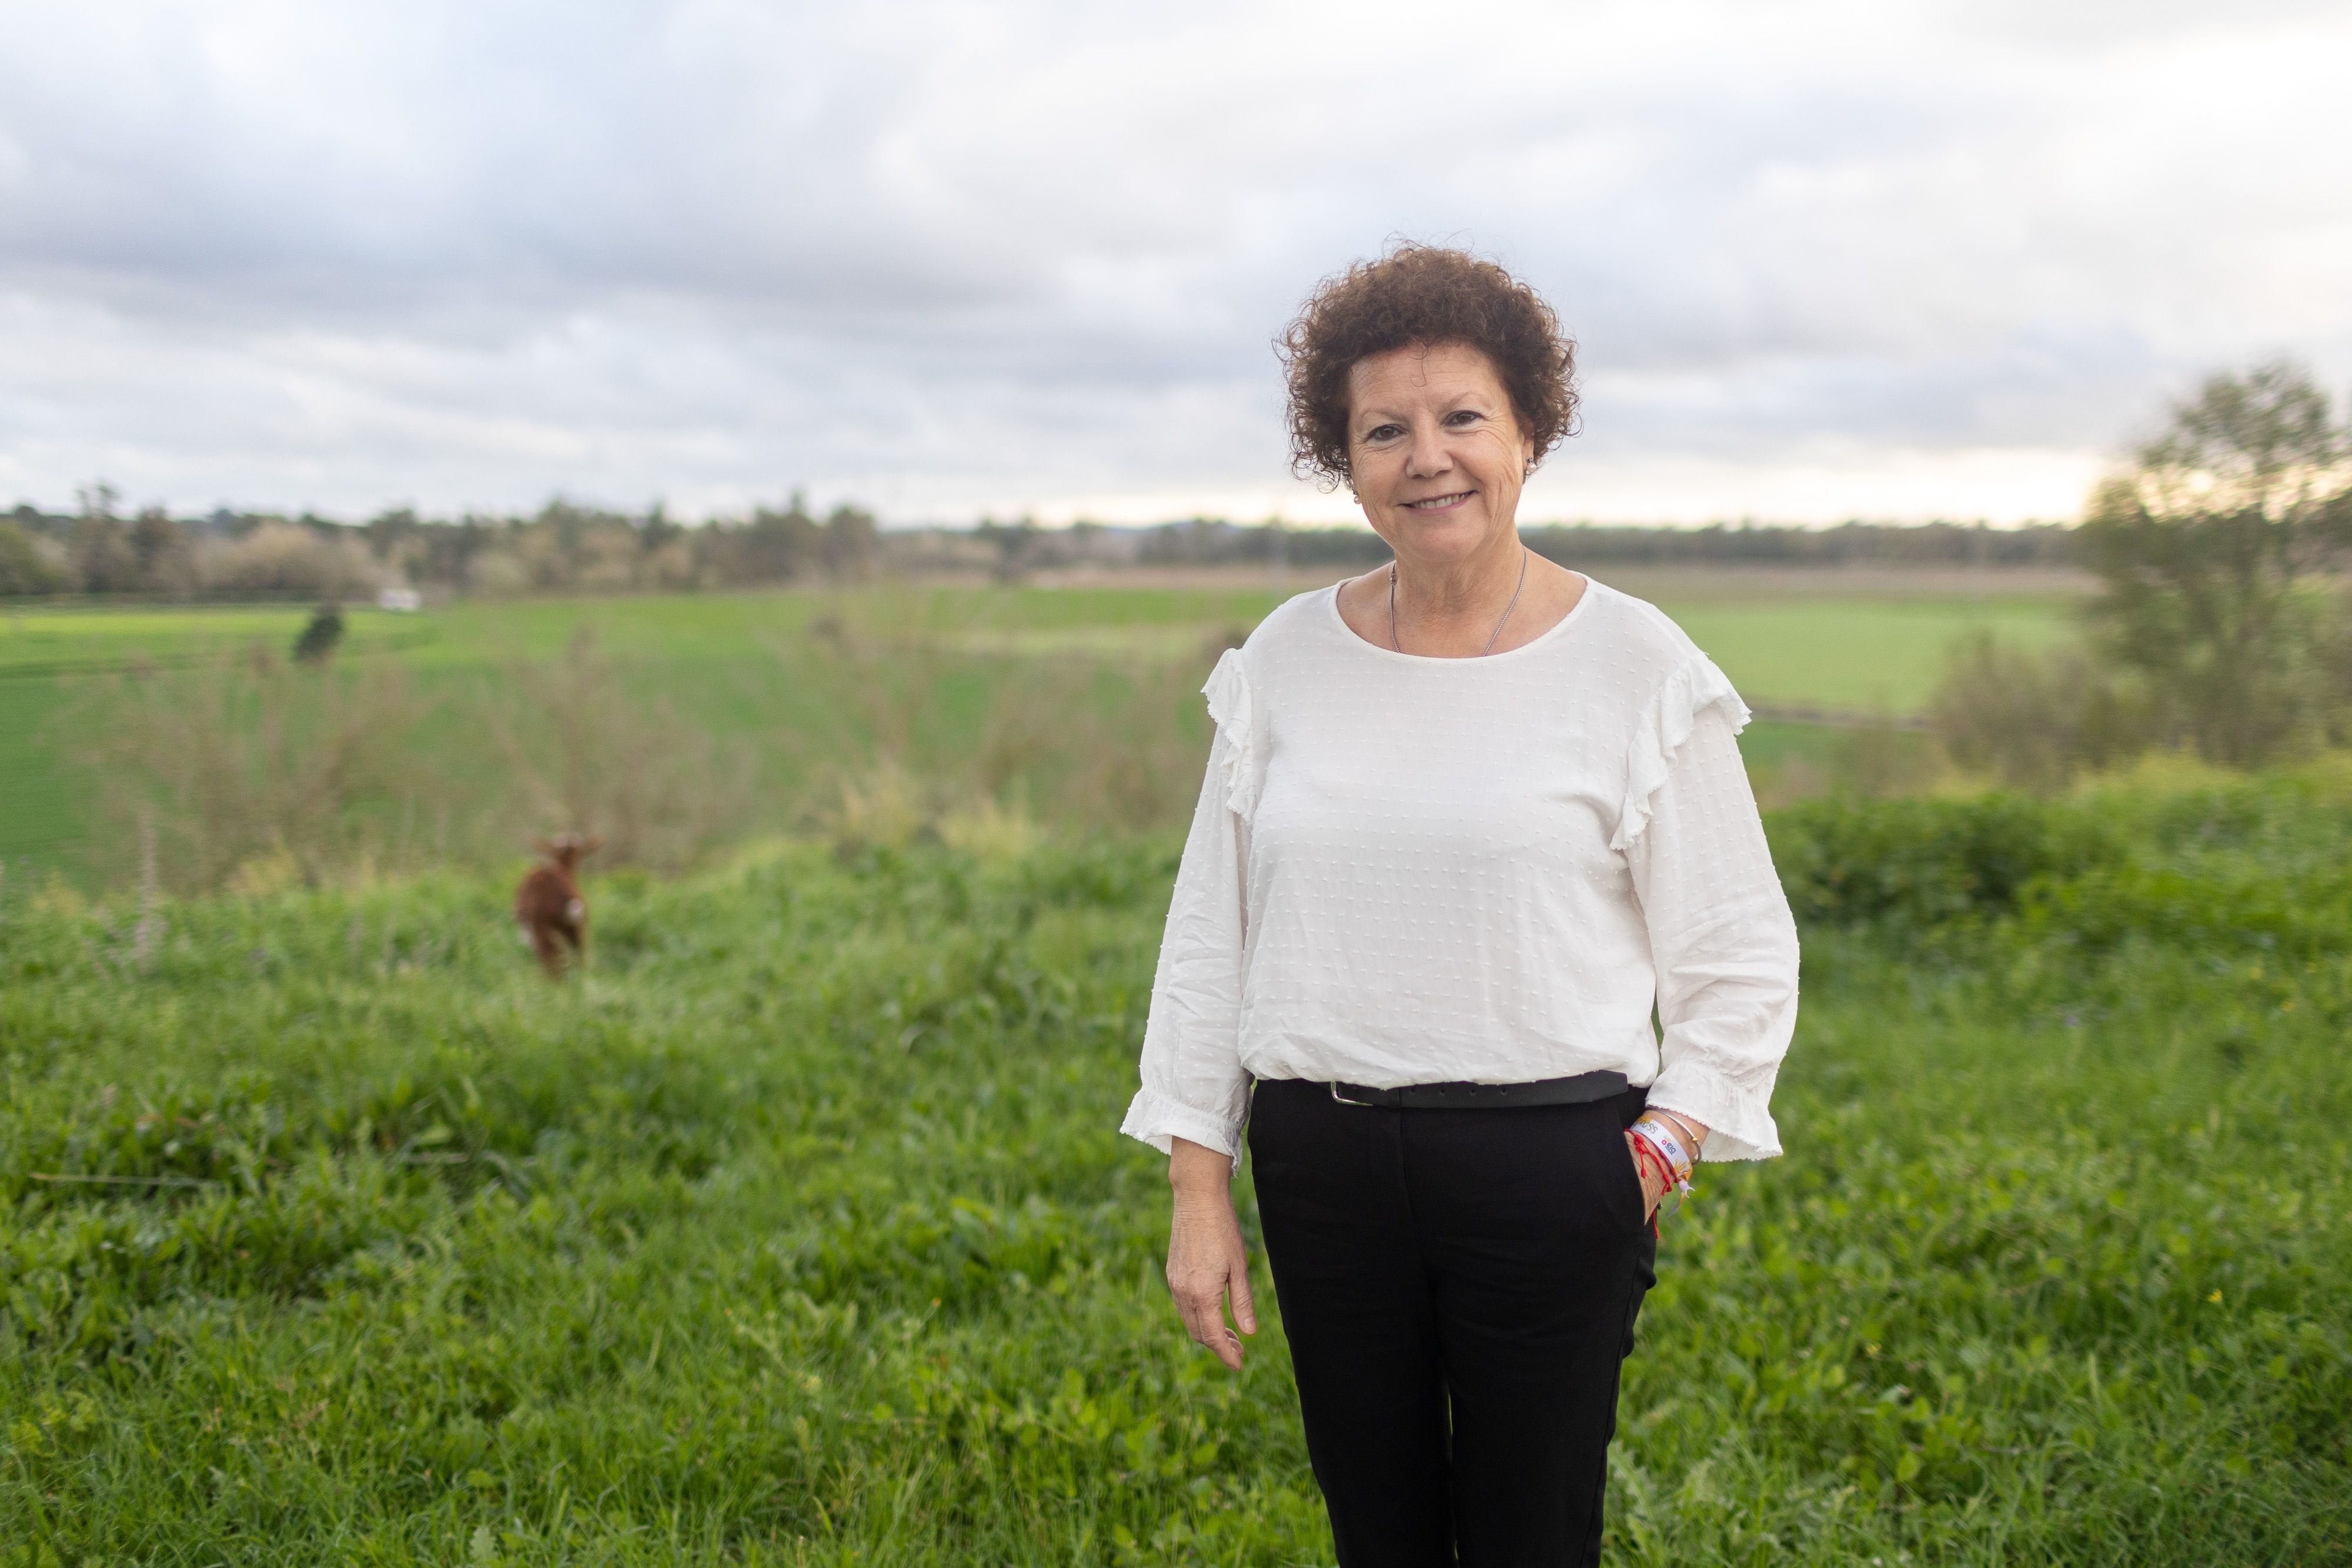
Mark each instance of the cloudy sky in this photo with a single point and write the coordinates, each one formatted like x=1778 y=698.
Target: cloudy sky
x=1822 y=260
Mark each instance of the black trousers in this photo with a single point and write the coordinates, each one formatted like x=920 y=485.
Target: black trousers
x=1458 y=1289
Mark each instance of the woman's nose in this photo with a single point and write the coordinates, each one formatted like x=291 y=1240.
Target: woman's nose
x=1428 y=455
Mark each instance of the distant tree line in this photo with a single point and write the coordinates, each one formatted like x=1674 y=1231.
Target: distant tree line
x=569 y=548
x=563 y=546
x=1204 y=542
x=1015 y=551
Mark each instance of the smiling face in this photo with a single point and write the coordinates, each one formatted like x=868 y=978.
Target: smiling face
x=1435 y=452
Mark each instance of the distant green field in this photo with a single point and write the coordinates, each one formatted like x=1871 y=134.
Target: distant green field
x=1865 y=656
x=683 y=628
x=1870 y=651
x=735 y=664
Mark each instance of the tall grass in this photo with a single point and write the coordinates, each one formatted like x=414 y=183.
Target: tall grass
x=881 y=717
x=247 y=761
x=873 y=726
x=798 y=1232
x=583 y=751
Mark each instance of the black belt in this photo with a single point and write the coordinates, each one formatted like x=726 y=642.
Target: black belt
x=1576 y=1091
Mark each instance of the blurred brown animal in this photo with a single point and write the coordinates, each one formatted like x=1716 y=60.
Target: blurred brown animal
x=548 y=905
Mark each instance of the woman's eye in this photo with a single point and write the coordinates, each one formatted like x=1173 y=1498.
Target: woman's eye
x=1463 y=416
x=1382 y=432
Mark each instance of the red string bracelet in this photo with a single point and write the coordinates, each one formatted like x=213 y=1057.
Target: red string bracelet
x=1648 y=1155
x=1647 y=1158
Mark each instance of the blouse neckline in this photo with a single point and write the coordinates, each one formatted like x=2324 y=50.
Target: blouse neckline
x=1339 y=622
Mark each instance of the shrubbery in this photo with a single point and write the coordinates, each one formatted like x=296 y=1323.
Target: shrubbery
x=2226 y=863
x=1915 y=865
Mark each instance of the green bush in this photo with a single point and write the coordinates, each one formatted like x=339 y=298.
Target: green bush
x=1917 y=863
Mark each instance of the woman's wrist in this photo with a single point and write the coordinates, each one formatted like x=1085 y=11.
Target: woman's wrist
x=1692 y=1130
x=1195 y=1168
x=1655 y=1133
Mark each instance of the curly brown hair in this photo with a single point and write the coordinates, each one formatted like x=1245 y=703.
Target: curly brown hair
x=1419 y=295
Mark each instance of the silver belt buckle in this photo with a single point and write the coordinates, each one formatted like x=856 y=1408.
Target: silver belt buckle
x=1359 y=1104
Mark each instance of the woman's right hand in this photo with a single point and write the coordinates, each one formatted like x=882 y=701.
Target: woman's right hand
x=1652 y=1188
x=1207 y=1260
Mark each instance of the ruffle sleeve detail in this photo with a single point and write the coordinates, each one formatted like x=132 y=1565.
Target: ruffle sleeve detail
x=1665 y=723
x=1235 y=717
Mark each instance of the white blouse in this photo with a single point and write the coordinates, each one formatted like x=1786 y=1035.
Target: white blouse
x=1410 y=870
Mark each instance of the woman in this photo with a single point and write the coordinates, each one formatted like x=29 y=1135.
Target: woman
x=1468 y=818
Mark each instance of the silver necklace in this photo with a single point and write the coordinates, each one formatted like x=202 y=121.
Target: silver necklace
x=1514 y=605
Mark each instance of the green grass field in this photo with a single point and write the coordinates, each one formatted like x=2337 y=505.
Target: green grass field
x=1874 y=656
x=798 y=1232
x=741 y=667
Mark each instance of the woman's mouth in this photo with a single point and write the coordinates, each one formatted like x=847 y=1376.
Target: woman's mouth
x=1439 y=503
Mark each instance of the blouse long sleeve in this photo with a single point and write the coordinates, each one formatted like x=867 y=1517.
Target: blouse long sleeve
x=1194 y=1086
x=1722 y=940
